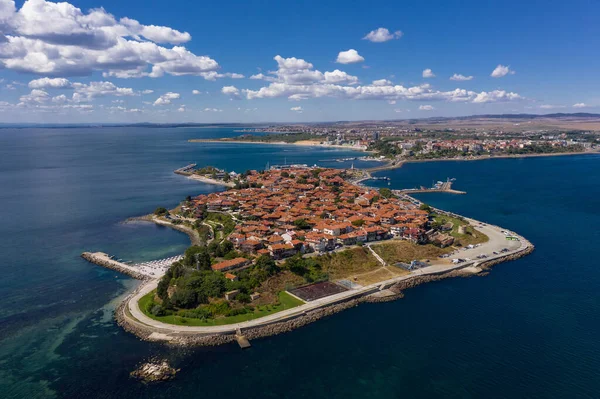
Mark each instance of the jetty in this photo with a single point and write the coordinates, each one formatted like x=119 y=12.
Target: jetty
x=439 y=187
x=140 y=271
x=186 y=170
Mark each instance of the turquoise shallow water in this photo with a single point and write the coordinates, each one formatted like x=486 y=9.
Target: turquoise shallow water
x=529 y=329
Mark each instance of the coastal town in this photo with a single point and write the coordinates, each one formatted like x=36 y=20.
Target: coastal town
x=298 y=209
x=473 y=138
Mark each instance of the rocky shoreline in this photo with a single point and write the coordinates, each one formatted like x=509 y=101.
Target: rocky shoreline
x=189 y=339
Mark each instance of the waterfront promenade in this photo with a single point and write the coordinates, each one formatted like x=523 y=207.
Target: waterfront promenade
x=132 y=314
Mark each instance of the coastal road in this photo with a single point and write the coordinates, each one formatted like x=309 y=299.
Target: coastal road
x=497 y=241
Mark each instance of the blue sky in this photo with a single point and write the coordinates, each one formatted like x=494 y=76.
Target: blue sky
x=158 y=61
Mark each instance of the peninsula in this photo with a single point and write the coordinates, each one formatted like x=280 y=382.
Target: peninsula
x=289 y=245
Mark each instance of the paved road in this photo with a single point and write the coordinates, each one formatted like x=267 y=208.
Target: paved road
x=496 y=243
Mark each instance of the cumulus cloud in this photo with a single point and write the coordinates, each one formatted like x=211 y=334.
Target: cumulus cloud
x=296 y=71
x=428 y=73
x=495 y=96
x=148 y=91
x=426 y=108
x=48 y=83
x=231 y=91
x=580 y=105
x=195 y=92
x=86 y=92
x=297 y=109
x=36 y=96
x=59 y=39
x=381 y=35
x=296 y=79
x=349 y=57
x=460 y=78
x=338 y=76
x=212 y=110
x=166 y=98
x=501 y=71
x=382 y=82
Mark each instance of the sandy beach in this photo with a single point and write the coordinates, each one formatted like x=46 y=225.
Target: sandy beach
x=304 y=143
x=208 y=180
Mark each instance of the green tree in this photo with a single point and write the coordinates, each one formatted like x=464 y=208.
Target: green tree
x=197 y=257
x=163 y=287
x=425 y=207
x=184 y=297
x=160 y=211
x=358 y=223
x=385 y=192
x=226 y=247
x=267 y=264
x=301 y=223
x=213 y=284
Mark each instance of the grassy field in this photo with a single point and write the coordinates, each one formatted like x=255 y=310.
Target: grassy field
x=473 y=236
x=286 y=301
x=404 y=251
x=350 y=262
x=216 y=220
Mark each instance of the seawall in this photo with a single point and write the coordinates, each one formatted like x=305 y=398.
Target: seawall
x=149 y=333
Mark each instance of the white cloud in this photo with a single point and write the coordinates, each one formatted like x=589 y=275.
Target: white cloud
x=495 y=96
x=381 y=35
x=148 y=91
x=426 y=108
x=212 y=110
x=181 y=109
x=580 y=105
x=48 y=83
x=550 y=106
x=258 y=76
x=166 y=98
x=297 y=80
x=59 y=39
x=62 y=99
x=297 y=109
x=214 y=75
x=460 y=77
x=36 y=96
x=231 y=91
x=349 y=57
x=382 y=82
x=98 y=89
x=428 y=73
x=338 y=76
x=501 y=71
x=195 y=92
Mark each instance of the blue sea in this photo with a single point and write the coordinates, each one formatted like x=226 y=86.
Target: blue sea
x=528 y=330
